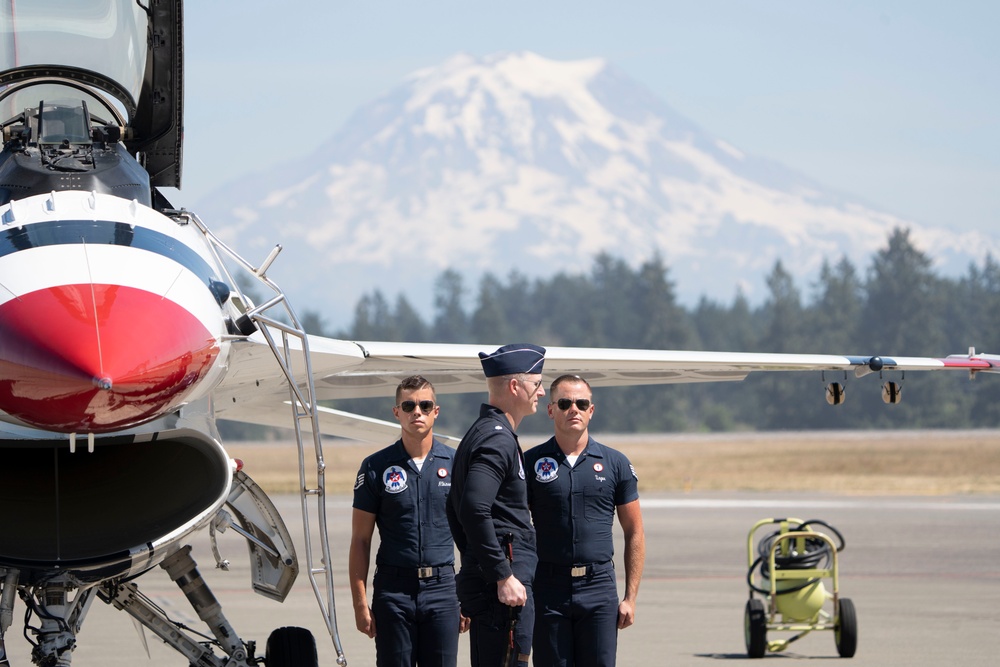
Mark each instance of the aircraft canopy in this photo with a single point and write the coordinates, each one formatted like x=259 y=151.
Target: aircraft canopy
x=122 y=57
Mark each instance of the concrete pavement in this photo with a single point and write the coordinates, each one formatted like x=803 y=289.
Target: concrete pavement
x=924 y=575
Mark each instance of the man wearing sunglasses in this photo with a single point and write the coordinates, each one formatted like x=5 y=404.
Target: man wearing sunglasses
x=414 y=616
x=488 y=512
x=575 y=487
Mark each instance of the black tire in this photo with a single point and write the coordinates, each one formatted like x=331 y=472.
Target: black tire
x=291 y=647
x=754 y=629
x=846 y=632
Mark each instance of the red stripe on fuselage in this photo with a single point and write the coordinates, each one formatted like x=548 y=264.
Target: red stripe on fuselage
x=58 y=343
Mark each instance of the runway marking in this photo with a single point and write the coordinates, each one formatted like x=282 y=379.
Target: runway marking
x=869 y=503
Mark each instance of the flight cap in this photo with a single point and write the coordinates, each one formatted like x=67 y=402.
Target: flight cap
x=513 y=359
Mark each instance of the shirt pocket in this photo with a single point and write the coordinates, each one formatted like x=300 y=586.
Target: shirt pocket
x=439 y=500
x=599 y=503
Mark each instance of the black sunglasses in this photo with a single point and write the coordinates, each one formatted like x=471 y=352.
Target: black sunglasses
x=409 y=406
x=582 y=404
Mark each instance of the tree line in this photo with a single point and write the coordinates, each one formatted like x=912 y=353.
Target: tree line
x=898 y=306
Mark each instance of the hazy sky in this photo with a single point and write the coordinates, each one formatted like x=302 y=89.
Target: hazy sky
x=894 y=102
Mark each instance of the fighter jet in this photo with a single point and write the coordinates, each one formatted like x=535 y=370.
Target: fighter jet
x=125 y=335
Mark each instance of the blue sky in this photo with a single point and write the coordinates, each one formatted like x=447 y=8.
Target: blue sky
x=894 y=102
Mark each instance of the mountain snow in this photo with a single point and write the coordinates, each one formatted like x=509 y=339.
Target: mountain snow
x=515 y=162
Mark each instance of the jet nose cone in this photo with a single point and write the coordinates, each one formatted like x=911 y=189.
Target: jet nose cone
x=77 y=358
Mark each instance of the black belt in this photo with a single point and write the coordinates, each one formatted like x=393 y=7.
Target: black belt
x=584 y=570
x=414 y=572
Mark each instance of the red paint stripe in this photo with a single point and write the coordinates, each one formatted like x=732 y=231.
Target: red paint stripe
x=57 y=342
x=966 y=363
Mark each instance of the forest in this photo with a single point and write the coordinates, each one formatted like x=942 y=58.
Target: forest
x=897 y=306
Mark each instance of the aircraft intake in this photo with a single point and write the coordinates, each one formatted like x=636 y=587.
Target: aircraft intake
x=110 y=511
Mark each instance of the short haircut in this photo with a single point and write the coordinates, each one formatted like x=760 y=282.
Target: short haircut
x=413 y=383
x=496 y=384
x=569 y=379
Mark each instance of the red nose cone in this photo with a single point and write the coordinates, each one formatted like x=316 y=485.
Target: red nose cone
x=95 y=358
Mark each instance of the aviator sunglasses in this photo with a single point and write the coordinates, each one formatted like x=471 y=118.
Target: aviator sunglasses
x=582 y=404
x=409 y=406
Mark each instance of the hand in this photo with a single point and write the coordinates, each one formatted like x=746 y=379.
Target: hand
x=364 y=620
x=511 y=592
x=626 y=614
x=463 y=623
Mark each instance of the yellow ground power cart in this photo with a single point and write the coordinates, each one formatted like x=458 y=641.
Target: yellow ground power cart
x=787 y=593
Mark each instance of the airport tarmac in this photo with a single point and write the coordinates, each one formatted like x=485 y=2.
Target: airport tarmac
x=923 y=572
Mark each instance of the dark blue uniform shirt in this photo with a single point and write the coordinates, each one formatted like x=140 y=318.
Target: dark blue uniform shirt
x=574 y=508
x=489 y=499
x=409 y=505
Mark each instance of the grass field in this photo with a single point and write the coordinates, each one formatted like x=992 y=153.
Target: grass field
x=851 y=462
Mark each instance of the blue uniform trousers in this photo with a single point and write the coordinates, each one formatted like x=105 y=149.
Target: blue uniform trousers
x=576 y=618
x=416 y=620
x=489 y=633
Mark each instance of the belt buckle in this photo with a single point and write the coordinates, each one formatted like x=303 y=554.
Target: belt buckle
x=425 y=572
x=580 y=571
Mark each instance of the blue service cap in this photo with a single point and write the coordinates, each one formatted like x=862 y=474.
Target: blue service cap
x=513 y=359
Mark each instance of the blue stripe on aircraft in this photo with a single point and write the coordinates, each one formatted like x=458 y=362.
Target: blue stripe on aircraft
x=104 y=232
x=887 y=362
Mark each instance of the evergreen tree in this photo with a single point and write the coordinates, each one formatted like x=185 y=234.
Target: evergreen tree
x=565 y=304
x=781 y=405
x=312 y=323
x=977 y=306
x=409 y=326
x=518 y=305
x=781 y=314
x=901 y=308
x=611 y=319
x=451 y=324
x=903 y=316
x=490 y=321
x=903 y=296
x=831 y=322
x=372 y=318
x=666 y=323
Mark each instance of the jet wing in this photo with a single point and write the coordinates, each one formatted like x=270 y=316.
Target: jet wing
x=255 y=389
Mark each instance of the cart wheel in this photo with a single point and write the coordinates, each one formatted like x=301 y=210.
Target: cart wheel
x=846 y=633
x=291 y=647
x=755 y=629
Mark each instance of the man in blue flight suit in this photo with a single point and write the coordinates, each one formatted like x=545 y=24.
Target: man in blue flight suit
x=488 y=512
x=414 y=616
x=575 y=486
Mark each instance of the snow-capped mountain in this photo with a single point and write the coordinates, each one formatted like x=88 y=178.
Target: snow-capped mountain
x=517 y=162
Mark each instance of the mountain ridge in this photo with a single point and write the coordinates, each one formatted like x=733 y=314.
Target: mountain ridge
x=516 y=162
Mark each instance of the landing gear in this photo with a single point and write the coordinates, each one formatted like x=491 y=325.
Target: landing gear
x=182 y=569
x=7 y=593
x=60 y=618
x=58 y=606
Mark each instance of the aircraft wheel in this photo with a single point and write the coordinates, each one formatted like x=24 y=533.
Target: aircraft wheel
x=291 y=647
x=755 y=629
x=846 y=633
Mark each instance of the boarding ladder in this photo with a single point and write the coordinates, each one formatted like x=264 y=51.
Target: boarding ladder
x=304 y=409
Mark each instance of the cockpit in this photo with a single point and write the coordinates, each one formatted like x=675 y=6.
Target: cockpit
x=93 y=87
